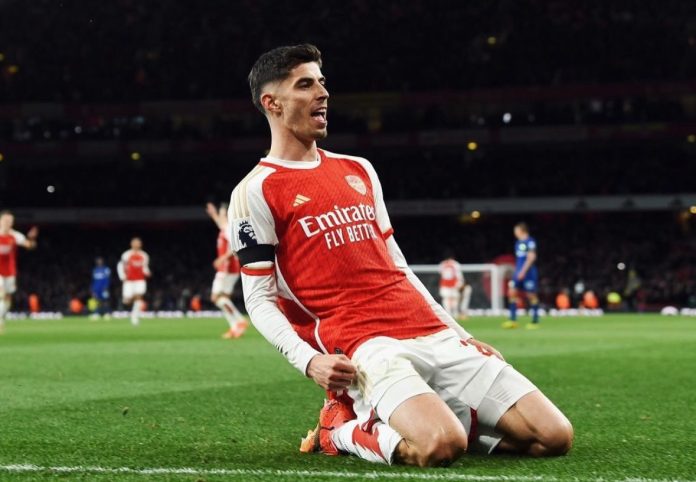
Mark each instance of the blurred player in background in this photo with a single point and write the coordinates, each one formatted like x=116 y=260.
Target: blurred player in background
x=466 y=300
x=133 y=270
x=9 y=241
x=451 y=284
x=227 y=267
x=525 y=278
x=101 y=282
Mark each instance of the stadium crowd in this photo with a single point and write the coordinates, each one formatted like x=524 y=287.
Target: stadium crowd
x=528 y=63
x=448 y=172
x=661 y=247
x=128 y=50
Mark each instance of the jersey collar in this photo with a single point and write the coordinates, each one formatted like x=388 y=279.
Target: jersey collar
x=294 y=164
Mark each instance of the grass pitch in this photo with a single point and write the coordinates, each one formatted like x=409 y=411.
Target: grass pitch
x=107 y=401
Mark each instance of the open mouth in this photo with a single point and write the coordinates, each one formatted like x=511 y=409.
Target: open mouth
x=319 y=115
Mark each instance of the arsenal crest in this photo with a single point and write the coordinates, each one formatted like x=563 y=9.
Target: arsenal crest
x=356 y=183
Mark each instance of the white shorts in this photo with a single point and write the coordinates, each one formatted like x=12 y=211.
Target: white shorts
x=223 y=284
x=132 y=289
x=8 y=285
x=450 y=293
x=478 y=388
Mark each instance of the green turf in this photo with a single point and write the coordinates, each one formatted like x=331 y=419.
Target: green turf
x=171 y=394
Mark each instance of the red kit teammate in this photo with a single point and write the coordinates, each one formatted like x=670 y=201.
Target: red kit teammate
x=326 y=283
x=133 y=270
x=9 y=241
x=451 y=284
x=227 y=266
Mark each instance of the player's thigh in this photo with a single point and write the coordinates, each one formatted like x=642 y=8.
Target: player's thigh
x=392 y=380
x=218 y=287
x=139 y=287
x=386 y=375
x=128 y=291
x=8 y=285
x=534 y=418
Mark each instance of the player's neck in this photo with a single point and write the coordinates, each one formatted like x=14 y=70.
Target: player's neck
x=284 y=145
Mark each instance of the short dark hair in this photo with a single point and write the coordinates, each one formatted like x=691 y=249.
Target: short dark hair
x=276 y=65
x=523 y=226
x=6 y=211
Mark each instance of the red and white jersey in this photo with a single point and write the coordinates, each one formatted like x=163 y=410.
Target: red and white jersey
x=8 y=252
x=337 y=283
x=134 y=265
x=451 y=274
x=223 y=248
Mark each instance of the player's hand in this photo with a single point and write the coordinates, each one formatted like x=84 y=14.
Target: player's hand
x=219 y=262
x=331 y=372
x=33 y=233
x=211 y=210
x=520 y=276
x=485 y=348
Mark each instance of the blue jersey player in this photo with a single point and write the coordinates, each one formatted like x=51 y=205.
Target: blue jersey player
x=526 y=278
x=101 y=280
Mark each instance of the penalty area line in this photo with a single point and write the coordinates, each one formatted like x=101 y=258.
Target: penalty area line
x=320 y=474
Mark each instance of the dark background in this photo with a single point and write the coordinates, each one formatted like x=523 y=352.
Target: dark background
x=144 y=104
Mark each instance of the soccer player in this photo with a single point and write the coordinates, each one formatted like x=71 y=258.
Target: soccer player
x=9 y=241
x=466 y=300
x=525 y=278
x=451 y=284
x=101 y=281
x=133 y=270
x=326 y=283
x=227 y=266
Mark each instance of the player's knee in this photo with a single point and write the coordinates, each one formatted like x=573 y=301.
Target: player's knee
x=557 y=439
x=443 y=450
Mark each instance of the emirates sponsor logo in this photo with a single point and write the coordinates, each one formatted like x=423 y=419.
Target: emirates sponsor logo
x=356 y=183
x=300 y=200
x=342 y=225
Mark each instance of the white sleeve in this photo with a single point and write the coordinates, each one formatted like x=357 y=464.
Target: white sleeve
x=121 y=266
x=146 y=265
x=400 y=262
x=460 y=276
x=260 y=295
x=250 y=221
x=250 y=224
x=20 y=239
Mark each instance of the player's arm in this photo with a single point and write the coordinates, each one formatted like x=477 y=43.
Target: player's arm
x=528 y=262
x=252 y=237
x=121 y=266
x=212 y=211
x=460 y=277
x=28 y=241
x=400 y=261
x=220 y=260
x=146 y=265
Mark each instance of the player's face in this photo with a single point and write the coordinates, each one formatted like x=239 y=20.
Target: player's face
x=520 y=233
x=6 y=222
x=136 y=244
x=302 y=101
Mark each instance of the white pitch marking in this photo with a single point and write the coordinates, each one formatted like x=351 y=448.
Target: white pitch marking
x=323 y=474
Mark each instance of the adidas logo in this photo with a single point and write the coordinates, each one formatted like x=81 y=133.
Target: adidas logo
x=300 y=200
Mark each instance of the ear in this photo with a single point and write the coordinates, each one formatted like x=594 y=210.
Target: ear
x=270 y=103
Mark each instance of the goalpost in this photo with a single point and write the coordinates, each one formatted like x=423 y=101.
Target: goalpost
x=486 y=281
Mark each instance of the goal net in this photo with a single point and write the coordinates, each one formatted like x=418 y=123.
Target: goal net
x=486 y=281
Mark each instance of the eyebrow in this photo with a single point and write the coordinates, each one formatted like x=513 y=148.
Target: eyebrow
x=309 y=80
